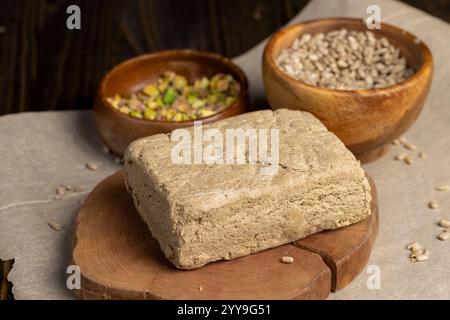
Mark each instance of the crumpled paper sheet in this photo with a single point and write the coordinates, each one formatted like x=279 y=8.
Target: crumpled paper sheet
x=39 y=151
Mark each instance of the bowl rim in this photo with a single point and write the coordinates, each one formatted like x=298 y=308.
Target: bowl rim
x=427 y=58
x=186 y=53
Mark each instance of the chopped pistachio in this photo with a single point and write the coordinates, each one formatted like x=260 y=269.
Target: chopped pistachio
x=173 y=98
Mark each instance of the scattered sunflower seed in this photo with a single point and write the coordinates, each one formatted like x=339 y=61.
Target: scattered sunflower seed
x=409 y=146
x=200 y=288
x=416 y=253
x=57 y=196
x=403 y=140
x=395 y=142
x=444 y=235
x=287 y=259
x=413 y=246
x=60 y=191
x=445 y=223
x=55 y=226
x=92 y=166
x=422 y=155
x=442 y=188
x=421 y=258
x=433 y=205
x=400 y=157
x=76 y=189
x=408 y=160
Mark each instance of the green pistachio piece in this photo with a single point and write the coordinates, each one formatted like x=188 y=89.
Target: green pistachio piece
x=206 y=112
x=159 y=102
x=212 y=98
x=150 y=114
x=136 y=114
x=151 y=90
x=203 y=83
x=229 y=100
x=223 y=85
x=198 y=104
x=170 y=96
x=179 y=82
x=214 y=80
x=124 y=110
x=179 y=117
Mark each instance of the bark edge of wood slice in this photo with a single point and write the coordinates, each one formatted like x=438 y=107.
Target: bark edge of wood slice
x=119 y=259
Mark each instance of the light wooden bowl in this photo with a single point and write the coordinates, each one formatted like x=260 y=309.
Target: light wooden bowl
x=365 y=120
x=117 y=129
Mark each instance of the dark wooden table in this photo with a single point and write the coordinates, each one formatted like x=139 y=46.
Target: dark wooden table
x=45 y=66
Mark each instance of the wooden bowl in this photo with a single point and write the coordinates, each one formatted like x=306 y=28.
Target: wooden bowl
x=117 y=129
x=365 y=120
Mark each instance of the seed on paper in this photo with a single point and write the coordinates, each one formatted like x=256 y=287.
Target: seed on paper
x=443 y=235
x=287 y=259
x=409 y=146
x=422 y=155
x=400 y=157
x=421 y=258
x=91 y=166
x=55 y=226
x=433 y=205
x=413 y=246
x=408 y=160
x=442 y=188
x=416 y=253
x=395 y=142
x=60 y=191
x=445 y=223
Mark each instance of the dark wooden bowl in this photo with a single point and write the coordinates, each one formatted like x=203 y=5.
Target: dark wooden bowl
x=365 y=120
x=117 y=129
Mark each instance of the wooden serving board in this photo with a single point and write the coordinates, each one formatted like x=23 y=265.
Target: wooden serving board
x=119 y=259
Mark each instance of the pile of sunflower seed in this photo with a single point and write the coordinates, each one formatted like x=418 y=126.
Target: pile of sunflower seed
x=344 y=60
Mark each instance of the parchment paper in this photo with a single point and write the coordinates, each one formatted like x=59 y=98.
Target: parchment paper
x=39 y=151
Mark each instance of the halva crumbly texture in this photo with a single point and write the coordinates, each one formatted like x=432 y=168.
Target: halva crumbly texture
x=202 y=213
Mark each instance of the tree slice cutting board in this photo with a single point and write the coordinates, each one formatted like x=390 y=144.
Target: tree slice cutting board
x=119 y=259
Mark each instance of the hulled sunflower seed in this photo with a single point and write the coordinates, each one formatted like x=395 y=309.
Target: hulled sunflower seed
x=409 y=146
x=421 y=258
x=444 y=235
x=442 y=188
x=395 y=142
x=287 y=259
x=413 y=246
x=55 y=226
x=400 y=157
x=416 y=253
x=422 y=155
x=60 y=191
x=356 y=60
x=444 y=223
x=408 y=160
x=91 y=166
x=433 y=205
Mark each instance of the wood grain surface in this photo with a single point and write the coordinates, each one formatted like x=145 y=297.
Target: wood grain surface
x=119 y=259
x=44 y=66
